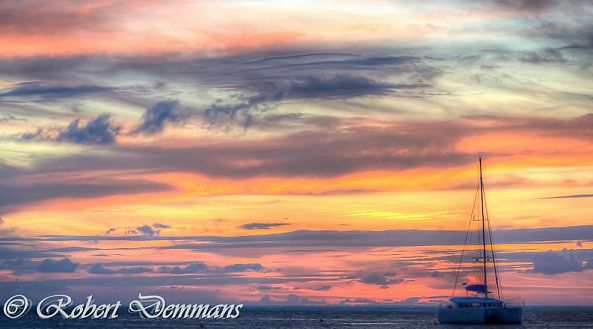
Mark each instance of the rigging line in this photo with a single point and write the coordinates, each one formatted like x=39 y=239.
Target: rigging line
x=471 y=219
x=496 y=277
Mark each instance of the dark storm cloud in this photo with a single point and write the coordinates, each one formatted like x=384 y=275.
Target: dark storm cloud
x=43 y=91
x=260 y=226
x=25 y=194
x=156 y=117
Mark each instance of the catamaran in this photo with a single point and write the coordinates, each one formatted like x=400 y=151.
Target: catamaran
x=479 y=305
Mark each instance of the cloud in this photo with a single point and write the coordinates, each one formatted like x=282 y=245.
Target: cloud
x=100 y=269
x=526 y=5
x=354 y=239
x=33 y=18
x=198 y=267
x=260 y=226
x=396 y=146
x=44 y=91
x=572 y=196
x=381 y=279
x=553 y=262
x=57 y=266
x=192 y=268
x=244 y=267
x=11 y=117
x=34 y=193
x=293 y=299
x=156 y=117
x=323 y=288
x=341 y=86
x=21 y=252
x=267 y=288
x=97 y=131
x=146 y=230
x=544 y=56
x=358 y=301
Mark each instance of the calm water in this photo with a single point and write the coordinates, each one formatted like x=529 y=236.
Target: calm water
x=316 y=318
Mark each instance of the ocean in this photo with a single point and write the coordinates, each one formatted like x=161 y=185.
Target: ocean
x=317 y=317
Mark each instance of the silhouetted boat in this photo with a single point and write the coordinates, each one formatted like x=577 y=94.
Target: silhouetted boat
x=482 y=306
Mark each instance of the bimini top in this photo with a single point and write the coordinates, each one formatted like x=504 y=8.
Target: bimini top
x=477 y=288
x=474 y=300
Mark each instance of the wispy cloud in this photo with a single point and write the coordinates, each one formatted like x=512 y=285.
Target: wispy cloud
x=572 y=196
x=261 y=226
x=44 y=91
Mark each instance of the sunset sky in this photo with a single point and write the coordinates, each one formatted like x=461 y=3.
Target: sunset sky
x=274 y=153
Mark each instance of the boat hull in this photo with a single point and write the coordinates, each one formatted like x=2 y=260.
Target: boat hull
x=498 y=315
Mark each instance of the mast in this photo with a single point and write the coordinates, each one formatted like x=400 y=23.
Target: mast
x=483 y=232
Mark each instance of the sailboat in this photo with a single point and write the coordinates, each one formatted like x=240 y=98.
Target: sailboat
x=479 y=305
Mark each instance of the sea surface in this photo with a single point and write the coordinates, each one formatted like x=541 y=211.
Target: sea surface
x=317 y=317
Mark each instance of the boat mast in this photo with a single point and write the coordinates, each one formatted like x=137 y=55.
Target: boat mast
x=483 y=231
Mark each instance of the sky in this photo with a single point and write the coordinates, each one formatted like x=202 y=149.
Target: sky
x=275 y=153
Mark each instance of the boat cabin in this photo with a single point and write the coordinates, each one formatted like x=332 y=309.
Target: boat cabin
x=474 y=302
